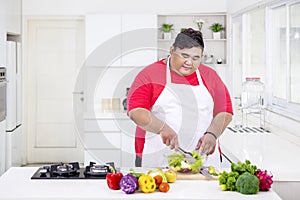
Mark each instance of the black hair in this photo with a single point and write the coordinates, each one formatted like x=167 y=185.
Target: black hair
x=189 y=38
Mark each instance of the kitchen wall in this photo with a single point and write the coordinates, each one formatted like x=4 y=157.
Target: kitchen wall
x=81 y=7
x=234 y=6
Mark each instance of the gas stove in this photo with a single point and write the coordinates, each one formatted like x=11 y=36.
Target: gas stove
x=73 y=171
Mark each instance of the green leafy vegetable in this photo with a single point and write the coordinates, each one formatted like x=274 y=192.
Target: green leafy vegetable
x=179 y=163
x=243 y=167
x=175 y=159
x=228 y=179
x=196 y=165
x=231 y=180
x=134 y=173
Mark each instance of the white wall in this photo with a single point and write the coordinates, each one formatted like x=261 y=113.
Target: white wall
x=81 y=7
x=234 y=6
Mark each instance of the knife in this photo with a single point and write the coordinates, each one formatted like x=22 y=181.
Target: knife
x=204 y=171
x=188 y=155
x=185 y=152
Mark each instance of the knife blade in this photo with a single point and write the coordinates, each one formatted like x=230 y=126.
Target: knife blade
x=188 y=155
x=204 y=171
x=185 y=152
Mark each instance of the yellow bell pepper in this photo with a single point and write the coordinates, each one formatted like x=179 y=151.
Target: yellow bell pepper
x=147 y=184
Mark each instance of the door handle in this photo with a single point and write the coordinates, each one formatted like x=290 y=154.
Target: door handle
x=78 y=92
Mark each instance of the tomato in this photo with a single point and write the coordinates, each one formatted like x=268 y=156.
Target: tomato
x=158 y=179
x=164 y=187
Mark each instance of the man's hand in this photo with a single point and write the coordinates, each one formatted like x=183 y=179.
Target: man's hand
x=206 y=144
x=169 y=137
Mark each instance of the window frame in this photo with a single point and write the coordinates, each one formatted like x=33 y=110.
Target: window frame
x=279 y=105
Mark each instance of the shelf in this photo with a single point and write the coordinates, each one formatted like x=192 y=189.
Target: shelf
x=116 y=115
x=216 y=47
x=215 y=40
x=205 y=40
x=166 y=40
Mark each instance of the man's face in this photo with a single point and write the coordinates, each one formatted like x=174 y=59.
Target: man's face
x=185 y=61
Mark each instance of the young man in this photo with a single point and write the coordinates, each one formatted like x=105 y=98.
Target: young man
x=178 y=101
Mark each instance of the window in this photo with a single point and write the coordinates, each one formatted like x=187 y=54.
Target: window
x=248 y=41
x=278 y=54
x=295 y=52
x=285 y=59
x=255 y=48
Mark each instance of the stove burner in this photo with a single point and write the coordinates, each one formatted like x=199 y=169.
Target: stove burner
x=73 y=171
x=98 y=170
x=64 y=169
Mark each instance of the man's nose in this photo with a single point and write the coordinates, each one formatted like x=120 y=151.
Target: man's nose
x=188 y=60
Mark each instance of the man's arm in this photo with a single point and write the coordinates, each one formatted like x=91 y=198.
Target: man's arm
x=147 y=121
x=219 y=123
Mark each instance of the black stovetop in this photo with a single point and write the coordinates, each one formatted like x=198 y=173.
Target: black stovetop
x=73 y=171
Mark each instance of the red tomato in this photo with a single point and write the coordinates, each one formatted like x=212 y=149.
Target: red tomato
x=164 y=187
x=158 y=179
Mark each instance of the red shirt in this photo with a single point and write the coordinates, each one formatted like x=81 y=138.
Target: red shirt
x=150 y=82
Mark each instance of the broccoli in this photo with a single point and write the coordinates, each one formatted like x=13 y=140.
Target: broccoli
x=247 y=183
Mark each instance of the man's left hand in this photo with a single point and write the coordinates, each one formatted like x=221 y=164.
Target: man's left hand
x=206 y=144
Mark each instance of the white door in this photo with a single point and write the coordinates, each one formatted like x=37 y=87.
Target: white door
x=55 y=52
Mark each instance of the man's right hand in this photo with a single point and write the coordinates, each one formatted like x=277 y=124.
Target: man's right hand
x=169 y=137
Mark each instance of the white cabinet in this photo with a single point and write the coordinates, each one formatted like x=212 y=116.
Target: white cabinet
x=102 y=33
x=14 y=11
x=108 y=131
x=2 y=34
x=109 y=138
x=117 y=47
x=2 y=146
x=139 y=33
x=215 y=47
x=120 y=40
x=11 y=15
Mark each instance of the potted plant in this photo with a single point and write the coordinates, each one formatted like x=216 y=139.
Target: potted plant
x=166 y=29
x=216 y=29
x=200 y=23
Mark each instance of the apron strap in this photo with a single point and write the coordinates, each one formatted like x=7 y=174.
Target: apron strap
x=220 y=151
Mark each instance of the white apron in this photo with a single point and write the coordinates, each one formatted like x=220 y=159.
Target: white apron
x=188 y=110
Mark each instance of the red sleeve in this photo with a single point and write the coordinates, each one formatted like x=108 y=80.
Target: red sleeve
x=217 y=89
x=147 y=86
x=139 y=141
x=143 y=93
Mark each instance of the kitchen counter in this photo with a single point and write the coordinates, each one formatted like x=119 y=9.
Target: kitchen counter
x=16 y=183
x=266 y=150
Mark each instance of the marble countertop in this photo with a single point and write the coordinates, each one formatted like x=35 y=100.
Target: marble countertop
x=266 y=150
x=16 y=183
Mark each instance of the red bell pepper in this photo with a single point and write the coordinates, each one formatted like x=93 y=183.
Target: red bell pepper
x=113 y=180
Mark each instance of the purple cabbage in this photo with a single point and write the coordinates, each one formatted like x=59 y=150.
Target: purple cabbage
x=128 y=184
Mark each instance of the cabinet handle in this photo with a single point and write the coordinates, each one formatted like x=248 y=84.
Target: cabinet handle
x=78 y=92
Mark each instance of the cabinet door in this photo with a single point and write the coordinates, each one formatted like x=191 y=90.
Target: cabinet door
x=139 y=45
x=102 y=37
x=128 y=138
x=2 y=34
x=13 y=16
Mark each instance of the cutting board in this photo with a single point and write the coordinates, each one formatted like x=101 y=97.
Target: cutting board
x=196 y=176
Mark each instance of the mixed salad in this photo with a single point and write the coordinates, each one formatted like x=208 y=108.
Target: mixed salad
x=179 y=163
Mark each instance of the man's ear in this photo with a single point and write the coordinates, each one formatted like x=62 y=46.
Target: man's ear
x=172 y=50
